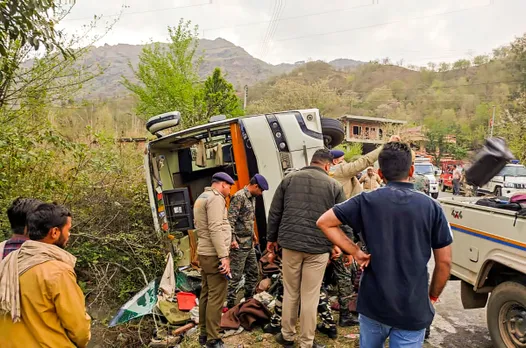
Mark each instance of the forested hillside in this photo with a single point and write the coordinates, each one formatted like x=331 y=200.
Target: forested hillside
x=446 y=98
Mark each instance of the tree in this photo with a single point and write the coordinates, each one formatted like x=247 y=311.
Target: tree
x=437 y=131
x=168 y=78
x=29 y=21
x=462 y=64
x=219 y=97
x=443 y=67
x=518 y=61
x=25 y=27
x=286 y=95
x=512 y=127
x=480 y=60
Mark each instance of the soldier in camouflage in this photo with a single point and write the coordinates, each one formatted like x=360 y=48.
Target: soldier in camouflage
x=420 y=183
x=241 y=215
x=327 y=325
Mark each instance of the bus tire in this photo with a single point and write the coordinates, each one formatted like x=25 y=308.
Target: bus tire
x=333 y=132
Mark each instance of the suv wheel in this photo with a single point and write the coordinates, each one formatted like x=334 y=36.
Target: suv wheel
x=506 y=315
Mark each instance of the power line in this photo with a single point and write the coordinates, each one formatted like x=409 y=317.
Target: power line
x=382 y=24
x=363 y=27
x=288 y=18
x=274 y=16
x=140 y=12
x=273 y=30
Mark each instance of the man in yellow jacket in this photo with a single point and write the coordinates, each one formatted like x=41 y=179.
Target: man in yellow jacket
x=42 y=304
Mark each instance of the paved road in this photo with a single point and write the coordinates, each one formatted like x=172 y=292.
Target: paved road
x=454 y=326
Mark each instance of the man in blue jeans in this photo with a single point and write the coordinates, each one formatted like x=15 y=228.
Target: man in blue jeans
x=394 y=299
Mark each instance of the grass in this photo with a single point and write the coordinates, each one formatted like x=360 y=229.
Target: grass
x=258 y=339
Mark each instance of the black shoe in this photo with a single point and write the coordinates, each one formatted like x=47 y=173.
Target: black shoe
x=202 y=340
x=271 y=329
x=317 y=345
x=280 y=340
x=347 y=320
x=215 y=344
x=428 y=333
x=331 y=332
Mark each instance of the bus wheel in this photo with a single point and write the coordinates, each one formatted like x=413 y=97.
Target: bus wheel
x=333 y=132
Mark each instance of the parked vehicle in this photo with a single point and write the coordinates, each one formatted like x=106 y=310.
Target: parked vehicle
x=446 y=176
x=511 y=179
x=180 y=164
x=425 y=168
x=489 y=259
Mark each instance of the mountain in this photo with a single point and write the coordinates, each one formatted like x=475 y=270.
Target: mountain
x=240 y=67
x=345 y=64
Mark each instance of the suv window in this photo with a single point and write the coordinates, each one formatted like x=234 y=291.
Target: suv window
x=424 y=168
x=513 y=171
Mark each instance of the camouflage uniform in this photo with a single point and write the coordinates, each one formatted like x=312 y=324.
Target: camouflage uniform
x=324 y=310
x=419 y=181
x=241 y=214
x=344 y=281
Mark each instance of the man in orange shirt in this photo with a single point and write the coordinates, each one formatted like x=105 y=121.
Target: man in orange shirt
x=42 y=304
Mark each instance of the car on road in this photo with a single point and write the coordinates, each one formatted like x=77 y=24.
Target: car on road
x=426 y=169
x=489 y=259
x=511 y=179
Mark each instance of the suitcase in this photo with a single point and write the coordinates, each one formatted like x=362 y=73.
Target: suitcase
x=488 y=162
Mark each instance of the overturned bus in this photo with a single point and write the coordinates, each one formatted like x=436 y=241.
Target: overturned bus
x=180 y=165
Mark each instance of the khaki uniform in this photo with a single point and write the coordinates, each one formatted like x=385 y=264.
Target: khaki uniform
x=211 y=222
x=345 y=173
x=214 y=238
x=370 y=182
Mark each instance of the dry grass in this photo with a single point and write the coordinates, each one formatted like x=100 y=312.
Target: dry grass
x=258 y=339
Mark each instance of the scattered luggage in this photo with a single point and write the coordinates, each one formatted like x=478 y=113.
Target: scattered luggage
x=488 y=162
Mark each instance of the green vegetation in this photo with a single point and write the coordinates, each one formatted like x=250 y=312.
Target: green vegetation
x=169 y=80
x=447 y=99
x=55 y=147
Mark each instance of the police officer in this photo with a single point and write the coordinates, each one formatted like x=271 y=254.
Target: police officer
x=327 y=325
x=241 y=214
x=214 y=238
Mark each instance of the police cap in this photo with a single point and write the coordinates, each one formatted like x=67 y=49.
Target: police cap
x=337 y=153
x=222 y=176
x=261 y=181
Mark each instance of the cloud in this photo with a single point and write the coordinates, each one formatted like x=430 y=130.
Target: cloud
x=414 y=30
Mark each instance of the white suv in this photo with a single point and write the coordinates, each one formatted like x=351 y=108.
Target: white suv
x=427 y=169
x=511 y=179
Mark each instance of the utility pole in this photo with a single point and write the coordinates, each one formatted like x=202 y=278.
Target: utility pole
x=492 y=122
x=245 y=98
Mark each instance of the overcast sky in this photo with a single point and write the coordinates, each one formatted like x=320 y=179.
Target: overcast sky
x=276 y=31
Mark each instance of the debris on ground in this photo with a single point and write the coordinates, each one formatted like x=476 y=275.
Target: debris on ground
x=247 y=315
x=232 y=332
x=264 y=297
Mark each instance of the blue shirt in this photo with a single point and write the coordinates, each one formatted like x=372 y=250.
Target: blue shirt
x=400 y=226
